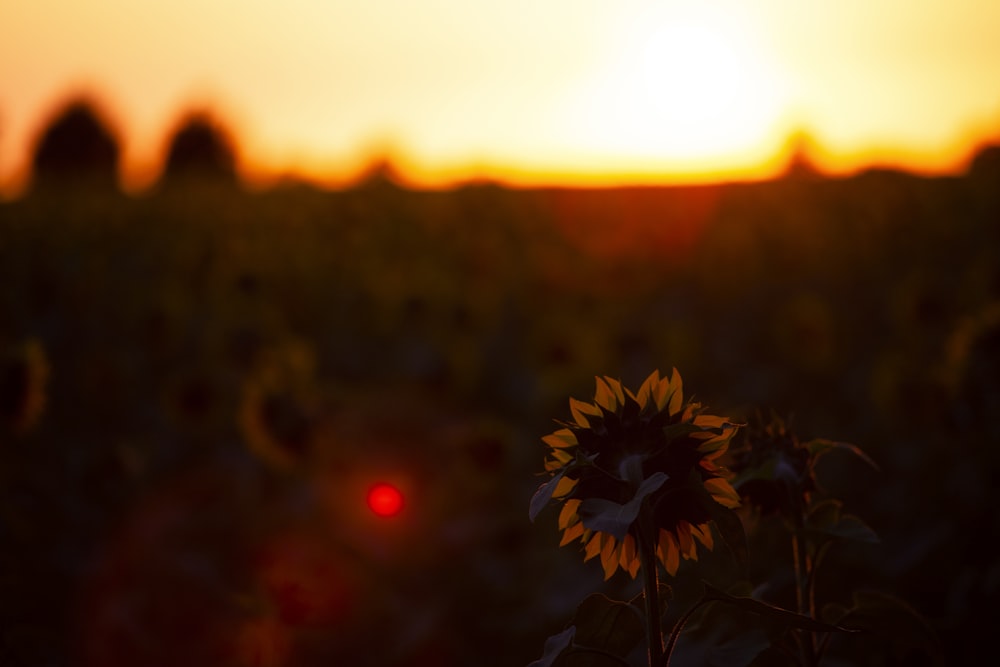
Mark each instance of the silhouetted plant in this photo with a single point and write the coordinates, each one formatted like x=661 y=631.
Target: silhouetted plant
x=641 y=485
x=77 y=146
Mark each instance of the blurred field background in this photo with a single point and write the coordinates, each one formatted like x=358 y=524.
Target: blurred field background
x=201 y=381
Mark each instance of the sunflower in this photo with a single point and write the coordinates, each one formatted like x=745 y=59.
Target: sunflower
x=775 y=470
x=639 y=466
x=279 y=410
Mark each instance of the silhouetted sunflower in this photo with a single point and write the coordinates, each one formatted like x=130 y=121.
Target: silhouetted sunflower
x=776 y=471
x=641 y=466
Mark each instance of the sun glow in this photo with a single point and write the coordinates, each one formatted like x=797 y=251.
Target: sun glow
x=686 y=90
x=582 y=92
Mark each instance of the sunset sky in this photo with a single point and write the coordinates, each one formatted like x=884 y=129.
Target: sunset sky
x=560 y=91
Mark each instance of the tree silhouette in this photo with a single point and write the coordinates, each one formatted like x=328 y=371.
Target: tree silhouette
x=986 y=162
x=202 y=149
x=801 y=161
x=76 y=147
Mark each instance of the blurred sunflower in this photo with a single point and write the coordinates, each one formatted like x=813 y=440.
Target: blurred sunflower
x=24 y=373
x=635 y=468
x=279 y=409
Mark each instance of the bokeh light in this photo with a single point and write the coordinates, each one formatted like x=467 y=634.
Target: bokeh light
x=385 y=500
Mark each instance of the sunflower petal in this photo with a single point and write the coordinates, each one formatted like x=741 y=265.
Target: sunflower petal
x=629 y=560
x=722 y=492
x=580 y=410
x=593 y=547
x=573 y=532
x=684 y=540
x=610 y=556
x=645 y=394
x=561 y=439
x=568 y=513
x=564 y=487
x=703 y=533
x=677 y=393
x=562 y=456
x=661 y=394
x=604 y=396
x=616 y=387
x=668 y=552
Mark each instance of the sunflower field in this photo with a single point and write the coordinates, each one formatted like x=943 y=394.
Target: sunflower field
x=200 y=384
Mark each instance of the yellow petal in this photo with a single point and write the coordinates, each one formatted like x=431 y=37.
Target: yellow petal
x=563 y=488
x=676 y=393
x=562 y=456
x=645 y=395
x=669 y=554
x=604 y=396
x=561 y=439
x=610 y=556
x=579 y=409
x=593 y=547
x=703 y=532
x=568 y=513
x=661 y=393
x=573 y=532
x=685 y=542
x=722 y=492
x=616 y=387
x=629 y=558
x=710 y=421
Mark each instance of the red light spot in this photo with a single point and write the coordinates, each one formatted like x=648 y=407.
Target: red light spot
x=385 y=500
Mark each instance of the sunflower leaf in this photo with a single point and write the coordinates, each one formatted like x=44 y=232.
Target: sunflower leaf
x=607 y=516
x=554 y=647
x=543 y=495
x=608 y=625
x=819 y=447
x=730 y=528
x=784 y=616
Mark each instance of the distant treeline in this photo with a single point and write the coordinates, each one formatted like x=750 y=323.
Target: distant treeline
x=80 y=146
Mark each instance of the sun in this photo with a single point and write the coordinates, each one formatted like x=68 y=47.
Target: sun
x=686 y=88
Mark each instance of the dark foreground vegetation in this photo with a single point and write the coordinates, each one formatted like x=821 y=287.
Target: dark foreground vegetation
x=199 y=384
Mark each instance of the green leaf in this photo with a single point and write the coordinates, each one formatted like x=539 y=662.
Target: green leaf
x=554 y=646
x=853 y=528
x=784 y=616
x=543 y=495
x=896 y=624
x=608 y=625
x=613 y=518
x=826 y=520
x=819 y=447
x=728 y=523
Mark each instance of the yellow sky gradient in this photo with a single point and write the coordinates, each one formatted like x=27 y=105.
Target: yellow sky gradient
x=564 y=91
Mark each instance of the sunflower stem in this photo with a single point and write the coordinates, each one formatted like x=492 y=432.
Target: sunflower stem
x=804 y=597
x=651 y=594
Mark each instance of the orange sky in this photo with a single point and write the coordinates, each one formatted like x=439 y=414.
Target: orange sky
x=527 y=91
